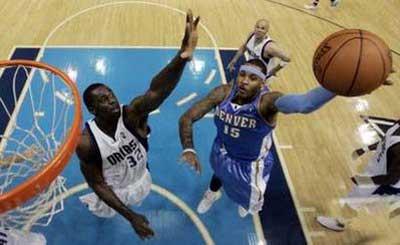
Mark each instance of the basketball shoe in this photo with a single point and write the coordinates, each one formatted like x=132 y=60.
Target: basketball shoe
x=335 y=3
x=311 y=6
x=331 y=223
x=208 y=199
x=242 y=212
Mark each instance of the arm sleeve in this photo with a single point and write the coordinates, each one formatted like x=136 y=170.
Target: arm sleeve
x=304 y=103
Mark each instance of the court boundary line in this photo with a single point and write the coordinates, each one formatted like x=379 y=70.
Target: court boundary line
x=156 y=188
x=99 y=6
x=292 y=190
x=112 y=46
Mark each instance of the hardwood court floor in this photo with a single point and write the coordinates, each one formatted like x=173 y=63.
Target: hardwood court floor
x=318 y=161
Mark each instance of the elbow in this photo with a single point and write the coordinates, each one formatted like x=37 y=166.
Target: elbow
x=284 y=62
x=307 y=108
x=97 y=187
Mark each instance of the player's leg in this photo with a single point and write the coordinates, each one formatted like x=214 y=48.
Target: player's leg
x=332 y=223
x=335 y=3
x=217 y=158
x=211 y=195
x=357 y=199
x=138 y=191
x=313 y=5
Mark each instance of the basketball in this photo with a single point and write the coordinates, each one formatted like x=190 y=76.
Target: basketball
x=352 y=62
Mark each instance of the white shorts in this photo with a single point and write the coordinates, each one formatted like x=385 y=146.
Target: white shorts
x=364 y=197
x=132 y=194
x=16 y=237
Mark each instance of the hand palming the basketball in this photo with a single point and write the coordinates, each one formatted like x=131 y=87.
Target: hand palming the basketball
x=189 y=41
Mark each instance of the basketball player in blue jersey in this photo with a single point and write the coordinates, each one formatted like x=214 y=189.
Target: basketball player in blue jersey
x=379 y=183
x=113 y=147
x=245 y=116
x=259 y=45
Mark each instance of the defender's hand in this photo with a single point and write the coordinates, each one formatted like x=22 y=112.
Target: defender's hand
x=192 y=160
x=141 y=226
x=389 y=82
x=231 y=66
x=189 y=41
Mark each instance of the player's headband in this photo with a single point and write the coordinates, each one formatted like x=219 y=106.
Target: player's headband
x=252 y=70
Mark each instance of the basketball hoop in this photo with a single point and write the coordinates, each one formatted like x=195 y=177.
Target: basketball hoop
x=52 y=129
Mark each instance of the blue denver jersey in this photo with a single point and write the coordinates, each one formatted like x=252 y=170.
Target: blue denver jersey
x=241 y=129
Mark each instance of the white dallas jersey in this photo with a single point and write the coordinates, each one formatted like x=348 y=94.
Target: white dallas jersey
x=16 y=237
x=124 y=159
x=378 y=162
x=255 y=51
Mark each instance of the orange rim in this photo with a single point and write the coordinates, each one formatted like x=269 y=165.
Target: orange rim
x=38 y=182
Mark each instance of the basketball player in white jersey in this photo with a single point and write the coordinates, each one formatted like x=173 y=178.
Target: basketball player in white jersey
x=16 y=237
x=113 y=147
x=260 y=46
x=380 y=181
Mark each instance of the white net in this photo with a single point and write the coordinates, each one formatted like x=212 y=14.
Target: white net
x=37 y=112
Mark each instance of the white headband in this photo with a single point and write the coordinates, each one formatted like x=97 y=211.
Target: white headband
x=253 y=70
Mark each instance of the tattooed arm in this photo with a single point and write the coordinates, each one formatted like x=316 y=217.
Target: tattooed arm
x=197 y=111
x=165 y=81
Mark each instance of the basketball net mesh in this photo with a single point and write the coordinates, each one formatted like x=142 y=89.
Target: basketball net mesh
x=38 y=122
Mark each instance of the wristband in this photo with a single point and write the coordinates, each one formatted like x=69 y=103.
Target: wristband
x=189 y=150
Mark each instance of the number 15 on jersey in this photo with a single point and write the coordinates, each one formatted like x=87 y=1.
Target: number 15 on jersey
x=231 y=131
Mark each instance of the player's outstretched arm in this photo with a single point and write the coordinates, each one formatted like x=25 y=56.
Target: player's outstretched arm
x=92 y=172
x=196 y=112
x=166 y=80
x=238 y=54
x=304 y=103
x=274 y=102
x=276 y=53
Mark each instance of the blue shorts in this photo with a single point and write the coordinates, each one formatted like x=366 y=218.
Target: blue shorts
x=244 y=182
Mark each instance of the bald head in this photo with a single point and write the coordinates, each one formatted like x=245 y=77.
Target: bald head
x=261 y=28
x=263 y=22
